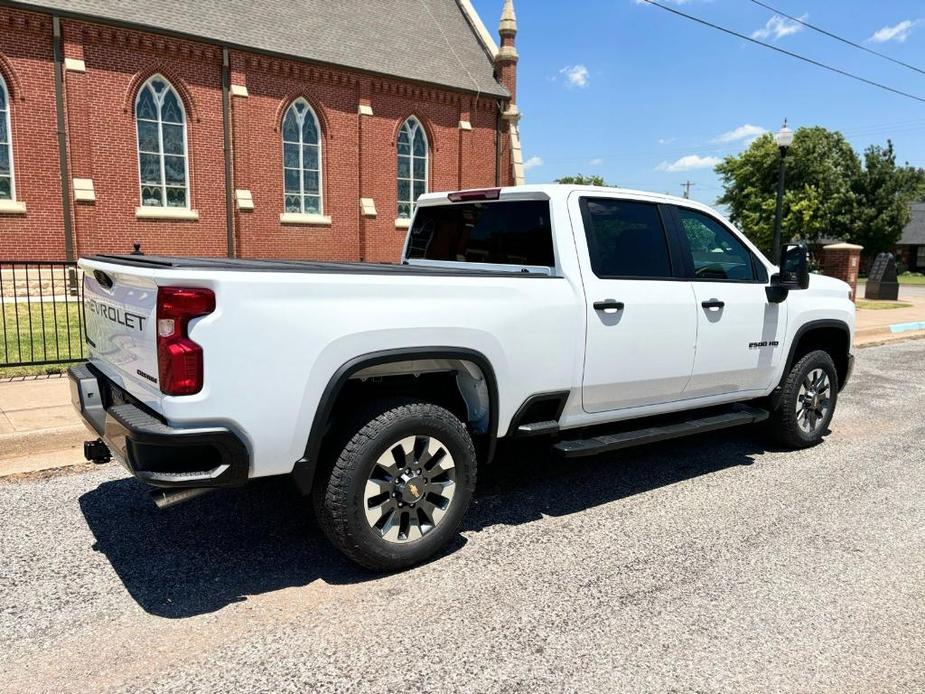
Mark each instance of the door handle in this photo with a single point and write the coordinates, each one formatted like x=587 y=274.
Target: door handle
x=608 y=305
x=713 y=303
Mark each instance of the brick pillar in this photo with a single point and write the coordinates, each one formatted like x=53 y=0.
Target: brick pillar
x=506 y=69
x=842 y=261
x=506 y=60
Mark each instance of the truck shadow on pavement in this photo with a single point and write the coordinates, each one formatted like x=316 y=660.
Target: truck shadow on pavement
x=199 y=557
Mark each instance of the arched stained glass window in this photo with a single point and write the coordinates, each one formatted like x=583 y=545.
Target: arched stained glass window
x=301 y=160
x=162 y=152
x=7 y=189
x=412 y=166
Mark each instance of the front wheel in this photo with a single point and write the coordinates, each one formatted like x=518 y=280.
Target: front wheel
x=808 y=398
x=399 y=488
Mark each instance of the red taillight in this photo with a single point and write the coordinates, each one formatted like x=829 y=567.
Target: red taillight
x=179 y=359
x=470 y=195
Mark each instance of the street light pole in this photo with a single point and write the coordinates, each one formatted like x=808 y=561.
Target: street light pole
x=784 y=138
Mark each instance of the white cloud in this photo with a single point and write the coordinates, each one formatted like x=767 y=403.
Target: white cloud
x=743 y=132
x=898 y=32
x=596 y=162
x=577 y=75
x=666 y=140
x=688 y=163
x=778 y=27
x=533 y=162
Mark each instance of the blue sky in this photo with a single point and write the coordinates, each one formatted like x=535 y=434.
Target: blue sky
x=649 y=100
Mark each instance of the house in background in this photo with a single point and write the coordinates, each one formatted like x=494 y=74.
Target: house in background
x=910 y=249
x=282 y=130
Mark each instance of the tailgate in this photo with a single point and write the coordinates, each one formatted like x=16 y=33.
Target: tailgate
x=119 y=309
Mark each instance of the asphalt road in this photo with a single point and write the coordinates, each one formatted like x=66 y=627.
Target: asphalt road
x=712 y=564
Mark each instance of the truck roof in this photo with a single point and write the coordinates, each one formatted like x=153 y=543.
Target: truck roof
x=563 y=190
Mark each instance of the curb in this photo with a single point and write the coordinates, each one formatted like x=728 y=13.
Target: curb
x=45 y=464
x=34 y=377
x=906 y=327
x=42 y=441
x=888 y=339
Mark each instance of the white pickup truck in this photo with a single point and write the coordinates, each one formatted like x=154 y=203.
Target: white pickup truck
x=599 y=318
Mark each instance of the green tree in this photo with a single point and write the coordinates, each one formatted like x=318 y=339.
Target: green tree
x=820 y=199
x=582 y=180
x=884 y=191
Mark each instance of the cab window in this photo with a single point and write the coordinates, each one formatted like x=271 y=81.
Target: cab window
x=625 y=239
x=715 y=251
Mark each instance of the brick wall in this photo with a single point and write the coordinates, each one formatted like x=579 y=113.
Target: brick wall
x=358 y=151
x=27 y=69
x=102 y=139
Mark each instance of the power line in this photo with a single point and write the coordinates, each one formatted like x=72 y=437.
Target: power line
x=687 y=188
x=786 y=52
x=838 y=38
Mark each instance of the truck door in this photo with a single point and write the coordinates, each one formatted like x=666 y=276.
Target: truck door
x=641 y=316
x=740 y=334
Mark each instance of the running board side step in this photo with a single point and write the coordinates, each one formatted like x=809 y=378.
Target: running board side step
x=538 y=428
x=709 y=420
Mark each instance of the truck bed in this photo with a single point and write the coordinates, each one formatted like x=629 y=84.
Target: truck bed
x=164 y=262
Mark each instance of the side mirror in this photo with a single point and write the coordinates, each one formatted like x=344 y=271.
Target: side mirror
x=794 y=273
x=794 y=267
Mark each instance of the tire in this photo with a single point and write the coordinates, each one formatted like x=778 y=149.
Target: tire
x=397 y=490
x=807 y=403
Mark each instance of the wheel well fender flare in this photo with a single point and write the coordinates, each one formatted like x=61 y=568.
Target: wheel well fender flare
x=305 y=467
x=801 y=333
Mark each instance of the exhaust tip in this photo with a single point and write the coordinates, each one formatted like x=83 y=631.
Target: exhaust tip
x=166 y=498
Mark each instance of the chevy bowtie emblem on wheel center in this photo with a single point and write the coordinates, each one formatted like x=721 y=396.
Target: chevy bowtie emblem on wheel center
x=413 y=488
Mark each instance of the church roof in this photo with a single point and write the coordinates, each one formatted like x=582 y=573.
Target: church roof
x=430 y=41
x=914 y=231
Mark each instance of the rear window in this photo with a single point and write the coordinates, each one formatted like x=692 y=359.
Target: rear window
x=505 y=232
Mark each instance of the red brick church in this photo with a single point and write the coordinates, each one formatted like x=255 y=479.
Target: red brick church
x=285 y=130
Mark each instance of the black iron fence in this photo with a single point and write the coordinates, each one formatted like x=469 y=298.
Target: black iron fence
x=42 y=318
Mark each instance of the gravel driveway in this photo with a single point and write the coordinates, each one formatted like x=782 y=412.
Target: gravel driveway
x=711 y=564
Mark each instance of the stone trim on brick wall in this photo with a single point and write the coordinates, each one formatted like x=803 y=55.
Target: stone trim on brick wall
x=83 y=190
x=75 y=65
x=314 y=220
x=244 y=199
x=368 y=207
x=485 y=37
x=179 y=213
x=12 y=207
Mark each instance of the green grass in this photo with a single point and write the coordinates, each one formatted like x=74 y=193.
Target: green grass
x=907 y=279
x=880 y=305
x=30 y=345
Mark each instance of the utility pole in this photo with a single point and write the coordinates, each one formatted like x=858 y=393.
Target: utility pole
x=687 y=188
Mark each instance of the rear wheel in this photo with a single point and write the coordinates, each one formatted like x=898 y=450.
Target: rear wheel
x=398 y=489
x=807 y=402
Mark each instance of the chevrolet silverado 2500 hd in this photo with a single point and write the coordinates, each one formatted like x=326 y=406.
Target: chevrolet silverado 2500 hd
x=598 y=318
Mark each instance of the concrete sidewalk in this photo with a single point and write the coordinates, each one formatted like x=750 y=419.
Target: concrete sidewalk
x=36 y=415
x=889 y=324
